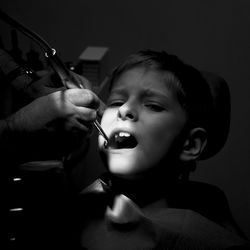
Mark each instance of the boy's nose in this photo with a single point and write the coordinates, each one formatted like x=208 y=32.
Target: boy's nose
x=127 y=112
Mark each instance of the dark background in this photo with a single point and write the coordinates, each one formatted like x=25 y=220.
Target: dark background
x=211 y=35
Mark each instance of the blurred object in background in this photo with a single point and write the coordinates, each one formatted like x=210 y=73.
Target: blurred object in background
x=33 y=58
x=93 y=64
x=1 y=43
x=15 y=51
x=36 y=204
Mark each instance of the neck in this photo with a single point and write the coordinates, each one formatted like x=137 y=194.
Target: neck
x=142 y=191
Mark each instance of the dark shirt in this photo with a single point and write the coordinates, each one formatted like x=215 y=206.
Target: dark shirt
x=147 y=222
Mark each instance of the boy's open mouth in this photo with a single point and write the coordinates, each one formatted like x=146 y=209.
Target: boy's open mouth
x=121 y=140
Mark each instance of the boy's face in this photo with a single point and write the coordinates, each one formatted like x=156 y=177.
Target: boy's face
x=143 y=120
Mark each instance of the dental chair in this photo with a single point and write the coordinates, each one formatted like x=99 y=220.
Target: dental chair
x=206 y=199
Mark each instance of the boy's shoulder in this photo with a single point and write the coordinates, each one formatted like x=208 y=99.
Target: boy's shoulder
x=204 y=198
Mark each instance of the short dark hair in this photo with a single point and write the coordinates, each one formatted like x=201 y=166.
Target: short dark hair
x=192 y=90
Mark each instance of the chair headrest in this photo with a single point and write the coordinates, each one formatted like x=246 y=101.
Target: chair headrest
x=221 y=115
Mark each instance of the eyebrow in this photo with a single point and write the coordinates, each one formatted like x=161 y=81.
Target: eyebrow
x=154 y=93
x=118 y=91
x=145 y=92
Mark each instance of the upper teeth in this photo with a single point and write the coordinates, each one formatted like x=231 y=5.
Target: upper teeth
x=125 y=134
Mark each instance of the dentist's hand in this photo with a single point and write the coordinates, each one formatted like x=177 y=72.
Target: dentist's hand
x=70 y=110
x=50 y=127
x=50 y=120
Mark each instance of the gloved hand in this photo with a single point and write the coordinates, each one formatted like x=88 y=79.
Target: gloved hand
x=50 y=127
x=49 y=120
x=70 y=110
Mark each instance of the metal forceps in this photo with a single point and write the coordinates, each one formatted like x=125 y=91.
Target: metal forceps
x=59 y=67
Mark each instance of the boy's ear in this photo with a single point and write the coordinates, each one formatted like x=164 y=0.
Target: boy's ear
x=194 y=144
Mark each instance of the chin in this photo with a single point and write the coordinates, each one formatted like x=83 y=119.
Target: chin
x=123 y=167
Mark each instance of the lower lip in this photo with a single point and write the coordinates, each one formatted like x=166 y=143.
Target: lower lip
x=120 y=150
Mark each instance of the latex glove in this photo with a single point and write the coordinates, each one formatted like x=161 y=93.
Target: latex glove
x=50 y=82
x=71 y=110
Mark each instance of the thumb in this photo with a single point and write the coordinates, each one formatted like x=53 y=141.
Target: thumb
x=101 y=108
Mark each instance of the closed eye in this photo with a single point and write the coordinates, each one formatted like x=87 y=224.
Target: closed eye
x=154 y=107
x=115 y=103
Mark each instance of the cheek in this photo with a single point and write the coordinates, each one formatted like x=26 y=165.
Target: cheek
x=161 y=135
x=107 y=118
x=156 y=145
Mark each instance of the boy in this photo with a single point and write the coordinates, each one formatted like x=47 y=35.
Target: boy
x=158 y=120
